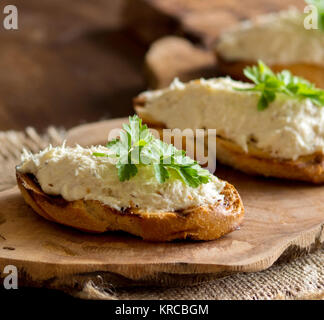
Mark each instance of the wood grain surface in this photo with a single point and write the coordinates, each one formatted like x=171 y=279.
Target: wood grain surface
x=82 y=61
x=283 y=220
x=69 y=63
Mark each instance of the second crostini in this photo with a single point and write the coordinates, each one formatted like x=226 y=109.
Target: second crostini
x=274 y=127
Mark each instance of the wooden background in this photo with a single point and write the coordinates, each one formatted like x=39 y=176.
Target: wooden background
x=80 y=61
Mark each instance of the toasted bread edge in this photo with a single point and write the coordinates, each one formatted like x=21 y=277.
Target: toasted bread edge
x=200 y=223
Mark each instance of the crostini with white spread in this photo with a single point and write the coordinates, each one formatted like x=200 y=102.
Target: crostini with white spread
x=160 y=196
x=273 y=127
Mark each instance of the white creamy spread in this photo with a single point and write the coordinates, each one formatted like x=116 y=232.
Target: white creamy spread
x=277 y=38
x=287 y=129
x=75 y=173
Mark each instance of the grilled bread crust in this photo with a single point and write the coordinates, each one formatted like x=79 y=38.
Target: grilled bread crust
x=312 y=72
x=256 y=162
x=306 y=168
x=198 y=223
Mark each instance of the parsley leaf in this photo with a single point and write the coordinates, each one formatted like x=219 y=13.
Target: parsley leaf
x=136 y=146
x=269 y=84
x=126 y=171
x=161 y=173
x=99 y=154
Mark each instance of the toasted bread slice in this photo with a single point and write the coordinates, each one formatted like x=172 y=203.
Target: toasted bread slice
x=255 y=161
x=312 y=72
x=200 y=223
x=306 y=168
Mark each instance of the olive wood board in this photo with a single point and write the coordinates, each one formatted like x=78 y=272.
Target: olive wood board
x=283 y=220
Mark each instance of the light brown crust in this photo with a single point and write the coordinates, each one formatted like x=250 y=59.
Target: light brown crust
x=306 y=168
x=312 y=72
x=199 y=223
x=255 y=161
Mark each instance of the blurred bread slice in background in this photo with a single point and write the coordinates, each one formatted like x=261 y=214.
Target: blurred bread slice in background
x=171 y=57
x=278 y=39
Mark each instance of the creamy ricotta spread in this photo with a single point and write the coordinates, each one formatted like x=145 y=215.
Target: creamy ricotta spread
x=277 y=38
x=75 y=173
x=287 y=129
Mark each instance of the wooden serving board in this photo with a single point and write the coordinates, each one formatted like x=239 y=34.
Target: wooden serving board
x=283 y=220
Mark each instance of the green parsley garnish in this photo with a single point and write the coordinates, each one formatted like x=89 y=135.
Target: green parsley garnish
x=269 y=84
x=136 y=146
x=319 y=4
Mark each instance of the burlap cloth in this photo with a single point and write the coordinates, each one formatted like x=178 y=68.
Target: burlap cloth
x=302 y=278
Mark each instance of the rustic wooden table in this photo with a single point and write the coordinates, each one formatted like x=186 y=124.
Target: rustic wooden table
x=82 y=61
